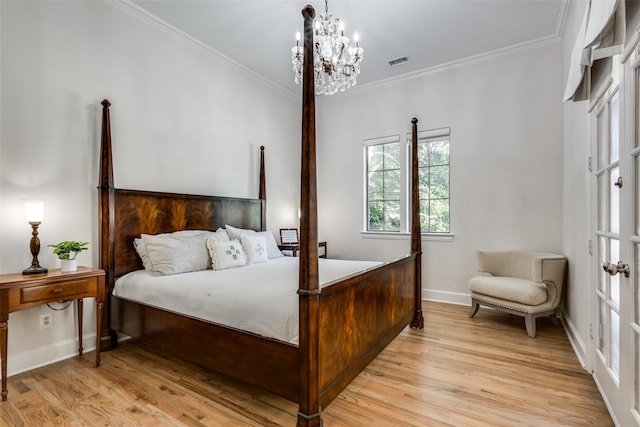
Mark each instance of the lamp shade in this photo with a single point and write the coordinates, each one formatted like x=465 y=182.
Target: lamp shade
x=34 y=210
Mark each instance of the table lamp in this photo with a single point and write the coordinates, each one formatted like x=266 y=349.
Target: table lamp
x=34 y=212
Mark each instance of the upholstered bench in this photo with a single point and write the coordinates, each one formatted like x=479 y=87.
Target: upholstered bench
x=527 y=284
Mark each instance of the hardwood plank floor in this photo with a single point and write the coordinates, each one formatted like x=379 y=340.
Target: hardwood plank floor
x=457 y=372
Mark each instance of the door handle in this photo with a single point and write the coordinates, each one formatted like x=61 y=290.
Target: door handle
x=618 y=182
x=614 y=269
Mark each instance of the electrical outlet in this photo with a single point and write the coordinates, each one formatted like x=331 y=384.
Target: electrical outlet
x=45 y=321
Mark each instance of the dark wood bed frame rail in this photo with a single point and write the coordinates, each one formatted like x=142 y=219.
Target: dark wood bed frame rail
x=343 y=327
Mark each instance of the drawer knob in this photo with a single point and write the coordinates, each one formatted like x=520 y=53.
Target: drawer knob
x=57 y=290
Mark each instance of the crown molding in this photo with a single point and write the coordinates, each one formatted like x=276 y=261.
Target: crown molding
x=128 y=7
x=463 y=62
x=158 y=23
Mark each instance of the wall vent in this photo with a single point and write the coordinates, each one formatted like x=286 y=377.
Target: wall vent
x=398 y=61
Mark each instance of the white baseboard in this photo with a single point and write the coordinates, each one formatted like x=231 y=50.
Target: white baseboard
x=458 y=298
x=42 y=356
x=606 y=402
x=578 y=344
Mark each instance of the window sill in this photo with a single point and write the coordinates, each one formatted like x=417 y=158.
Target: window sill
x=390 y=235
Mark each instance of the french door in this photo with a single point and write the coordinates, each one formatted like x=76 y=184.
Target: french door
x=631 y=289
x=616 y=170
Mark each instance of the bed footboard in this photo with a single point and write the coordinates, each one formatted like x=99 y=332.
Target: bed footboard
x=269 y=364
x=359 y=316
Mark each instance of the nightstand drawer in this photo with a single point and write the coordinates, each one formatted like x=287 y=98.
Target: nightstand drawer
x=55 y=292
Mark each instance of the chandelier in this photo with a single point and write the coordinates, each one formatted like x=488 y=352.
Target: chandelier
x=336 y=64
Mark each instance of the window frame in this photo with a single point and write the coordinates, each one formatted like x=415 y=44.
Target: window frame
x=435 y=135
x=405 y=197
x=403 y=150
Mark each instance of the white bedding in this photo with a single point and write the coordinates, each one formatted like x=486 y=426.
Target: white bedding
x=259 y=298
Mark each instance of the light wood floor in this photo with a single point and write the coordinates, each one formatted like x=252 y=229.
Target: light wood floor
x=457 y=372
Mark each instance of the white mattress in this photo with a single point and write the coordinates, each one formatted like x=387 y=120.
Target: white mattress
x=259 y=298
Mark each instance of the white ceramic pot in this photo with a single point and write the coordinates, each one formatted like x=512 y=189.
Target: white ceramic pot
x=68 y=265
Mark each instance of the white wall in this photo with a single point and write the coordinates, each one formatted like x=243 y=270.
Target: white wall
x=505 y=115
x=576 y=186
x=183 y=120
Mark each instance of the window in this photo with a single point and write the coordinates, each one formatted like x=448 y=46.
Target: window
x=387 y=164
x=433 y=171
x=383 y=161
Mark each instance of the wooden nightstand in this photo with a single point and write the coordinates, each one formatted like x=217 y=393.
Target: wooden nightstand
x=18 y=292
x=292 y=250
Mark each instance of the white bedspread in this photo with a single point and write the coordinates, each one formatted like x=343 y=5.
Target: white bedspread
x=259 y=298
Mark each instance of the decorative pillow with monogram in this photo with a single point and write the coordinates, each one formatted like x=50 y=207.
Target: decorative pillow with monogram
x=255 y=247
x=272 y=246
x=226 y=255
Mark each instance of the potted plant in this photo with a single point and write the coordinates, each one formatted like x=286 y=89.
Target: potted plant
x=67 y=252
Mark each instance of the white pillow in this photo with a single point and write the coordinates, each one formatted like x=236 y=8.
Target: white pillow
x=227 y=254
x=220 y=234
x=237 y=233
x=256 y=248
x=138 y=243
x=176 y=252
x=142 y=252
x=272 y=246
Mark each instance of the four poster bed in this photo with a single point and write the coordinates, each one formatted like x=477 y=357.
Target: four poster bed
x=342 y=324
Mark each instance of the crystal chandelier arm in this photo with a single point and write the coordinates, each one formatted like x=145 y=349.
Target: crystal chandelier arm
x=341 y=52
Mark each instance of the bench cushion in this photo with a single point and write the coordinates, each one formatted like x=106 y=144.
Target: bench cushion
x=510 y=289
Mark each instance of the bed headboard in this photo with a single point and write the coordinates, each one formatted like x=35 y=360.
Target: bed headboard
x=126 y=214
x=138 y=212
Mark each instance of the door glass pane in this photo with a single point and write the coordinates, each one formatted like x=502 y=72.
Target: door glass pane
x=602 y=204
x=614 y=200
x=636 y=140
x=601 y=140
x=637 y=370
x=614 y=133
x=615 y=343
x=637 y=195
x=637 y=287
x=614 y=281
x=602 y=314
x=602 y=257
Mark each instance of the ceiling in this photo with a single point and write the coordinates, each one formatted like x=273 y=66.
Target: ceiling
x=259 y=34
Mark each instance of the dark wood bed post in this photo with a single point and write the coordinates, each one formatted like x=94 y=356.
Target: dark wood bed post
x=309 y=288
x=416 y=239
x=106 y=219
x=262 y=193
